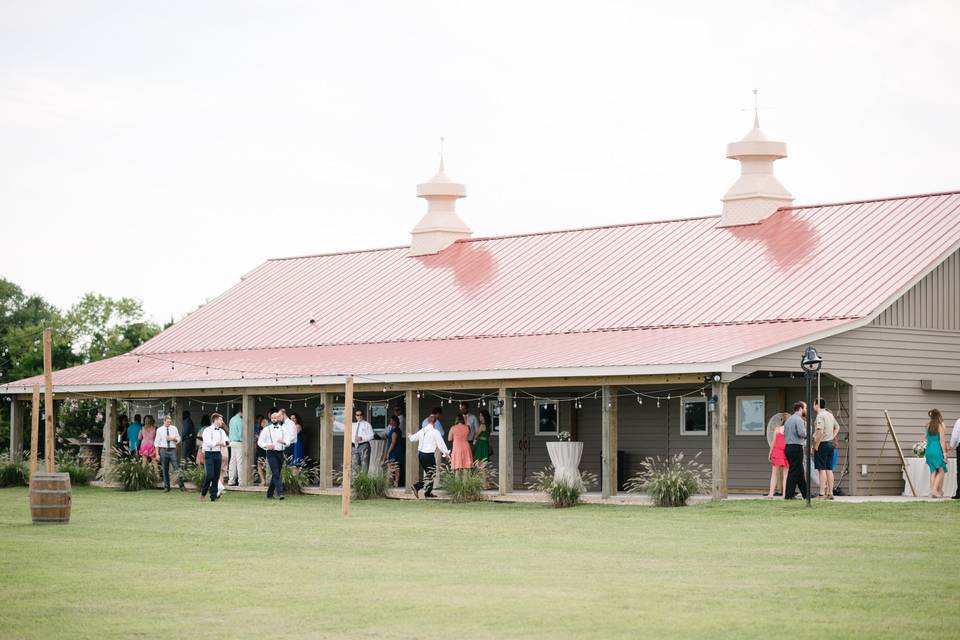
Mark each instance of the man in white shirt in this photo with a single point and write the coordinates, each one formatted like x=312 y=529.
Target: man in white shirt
x=362 y=434
x=435 y=413
x=955 y=445
x=429 y=442
x=213 y=437
x=472 y=423
x=401 y=419
x=273 y=441
x=166 y=442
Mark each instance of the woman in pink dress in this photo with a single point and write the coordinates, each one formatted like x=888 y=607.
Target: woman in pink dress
x=148 y=434
x=778 y=462
x=462 y=457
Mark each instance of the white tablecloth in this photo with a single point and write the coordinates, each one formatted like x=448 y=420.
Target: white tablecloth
x=920 y=475
x=377 y=448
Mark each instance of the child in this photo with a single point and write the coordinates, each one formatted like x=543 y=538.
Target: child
x=778 y=461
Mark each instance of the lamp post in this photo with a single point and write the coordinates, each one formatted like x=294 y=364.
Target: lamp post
x=810 y=363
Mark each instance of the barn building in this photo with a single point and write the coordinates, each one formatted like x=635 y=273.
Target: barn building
x=638 y=339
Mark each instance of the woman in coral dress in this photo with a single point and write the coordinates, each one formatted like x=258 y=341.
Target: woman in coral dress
x=148 y=434
x=462 y=457
x=778 y=462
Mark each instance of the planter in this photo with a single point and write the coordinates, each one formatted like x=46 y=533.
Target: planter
x=565 y=457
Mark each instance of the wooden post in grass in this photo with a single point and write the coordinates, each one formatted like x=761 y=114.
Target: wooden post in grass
x=347 y=446
x=35 y=430
x=48 y=398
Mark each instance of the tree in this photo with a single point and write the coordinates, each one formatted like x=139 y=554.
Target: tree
x=103 y=327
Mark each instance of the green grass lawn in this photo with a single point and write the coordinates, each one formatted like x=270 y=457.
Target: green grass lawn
x=154 y=565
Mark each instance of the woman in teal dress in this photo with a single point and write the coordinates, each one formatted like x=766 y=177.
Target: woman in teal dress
x=935 y=453
x=481 y=450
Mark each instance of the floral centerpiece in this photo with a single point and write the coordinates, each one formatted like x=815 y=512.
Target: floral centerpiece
x=920 y=449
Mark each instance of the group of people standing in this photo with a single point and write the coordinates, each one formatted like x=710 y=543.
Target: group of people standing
x=787 y=452
x=467 y=441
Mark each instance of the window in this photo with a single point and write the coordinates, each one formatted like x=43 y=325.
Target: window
x=693 y=420
x=377 y=416
x=337 y=410
x=750 y=415
x=548 y=417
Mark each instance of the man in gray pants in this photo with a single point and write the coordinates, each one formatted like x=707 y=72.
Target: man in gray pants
x=166 y=443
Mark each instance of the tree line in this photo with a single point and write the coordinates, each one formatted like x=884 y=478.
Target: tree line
x=93 y=328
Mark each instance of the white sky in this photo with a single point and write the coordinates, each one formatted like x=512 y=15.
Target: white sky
x=163 y=149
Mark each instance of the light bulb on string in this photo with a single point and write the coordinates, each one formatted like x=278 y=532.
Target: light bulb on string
x=639 y=399
x=658 y=403
x=514 y=404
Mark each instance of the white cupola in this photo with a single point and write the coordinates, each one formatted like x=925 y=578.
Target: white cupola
x=440 y=226
x=757 y=193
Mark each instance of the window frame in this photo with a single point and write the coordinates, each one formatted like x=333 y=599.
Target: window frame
x=536 y=418
x=683 y=417
x=739 y=415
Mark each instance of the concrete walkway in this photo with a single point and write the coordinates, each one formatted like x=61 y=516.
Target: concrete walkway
x=592 y=497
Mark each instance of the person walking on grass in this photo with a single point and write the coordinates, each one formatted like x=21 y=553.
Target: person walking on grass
x=273 y=441
x=795 y=434
x=166 y=443
x=827 y=430
x=936 y=452
x=236 y=448
x=213 y=438
x=429 y=441
x=778 y=463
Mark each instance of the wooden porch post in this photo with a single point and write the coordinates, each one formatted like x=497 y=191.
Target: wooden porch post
x=49 y=408
x=35 y=429
x=719 y=442
x=347 y=446
x=505 y=443
x=249 y=447
x=109 y=438
x=16 y=429
x=608 y=442
x=412 y=420
x=326 y=441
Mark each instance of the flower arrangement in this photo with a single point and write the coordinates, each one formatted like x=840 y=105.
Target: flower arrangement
x=920 y=449
x=564 y=436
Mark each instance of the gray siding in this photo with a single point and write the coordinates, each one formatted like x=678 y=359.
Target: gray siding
x=885 y=366
x=933 y=303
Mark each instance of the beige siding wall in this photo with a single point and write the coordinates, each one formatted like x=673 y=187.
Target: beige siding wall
x=885 y=366
x=933 y=303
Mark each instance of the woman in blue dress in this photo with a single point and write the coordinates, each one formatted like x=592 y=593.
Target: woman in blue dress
x=936 y=448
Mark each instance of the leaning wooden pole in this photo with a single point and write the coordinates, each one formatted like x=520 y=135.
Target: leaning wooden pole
x=35 y=430
x=903 y=461
x=48 y=399
x=347 y=446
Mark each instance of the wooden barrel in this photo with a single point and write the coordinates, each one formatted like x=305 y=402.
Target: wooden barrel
x=50 y=497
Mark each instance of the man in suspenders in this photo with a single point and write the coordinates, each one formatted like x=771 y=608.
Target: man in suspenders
x=273 y=441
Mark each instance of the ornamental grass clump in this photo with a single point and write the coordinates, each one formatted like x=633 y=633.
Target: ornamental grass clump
x=193 y=473
x=80 y=472
x=367 y=485
x=132 y=474
x=298 y=477
x=464 y=485
x=14 y=473
x=562 y=493
x=670 y=481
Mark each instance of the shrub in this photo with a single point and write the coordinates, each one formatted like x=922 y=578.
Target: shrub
x=670 y=481
x=562 y=494
x=80 y=473
x=14 y=473
x=296 y=478
x=366 y=485
x=130 y=471
x=192 y=472
x=466 y=485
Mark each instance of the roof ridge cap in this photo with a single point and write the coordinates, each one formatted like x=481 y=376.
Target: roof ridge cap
x=864 y=201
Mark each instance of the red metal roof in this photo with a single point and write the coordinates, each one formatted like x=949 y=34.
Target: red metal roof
x=603 y=296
